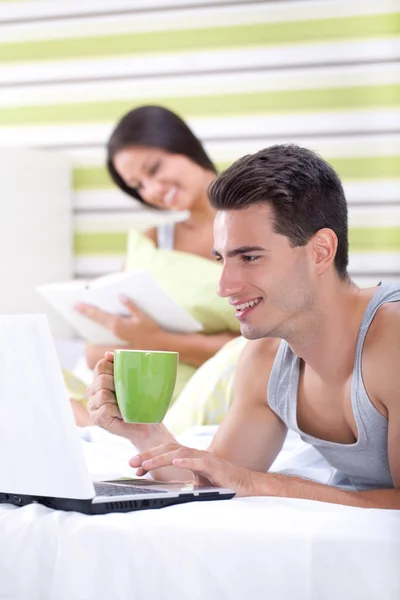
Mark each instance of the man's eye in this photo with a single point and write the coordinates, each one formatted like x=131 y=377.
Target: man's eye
x=250 y=257
x=218 y=258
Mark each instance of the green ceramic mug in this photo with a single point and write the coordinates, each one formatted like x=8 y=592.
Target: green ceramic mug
x=144 y=383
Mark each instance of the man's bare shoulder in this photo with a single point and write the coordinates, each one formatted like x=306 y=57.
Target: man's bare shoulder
x=384 y=331
x=381 y=353
x=255 y=366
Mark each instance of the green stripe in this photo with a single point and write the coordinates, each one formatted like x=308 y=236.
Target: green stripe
x=359 y=167
x=252 y=103
x=378 y=167
x=374 y=239
x=99 y=244
x=91 y=178
x=238 y=36
x=362 y=240
x=97 y=178
x=367 y=167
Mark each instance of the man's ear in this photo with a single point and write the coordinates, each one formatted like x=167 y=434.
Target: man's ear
x=324 y=244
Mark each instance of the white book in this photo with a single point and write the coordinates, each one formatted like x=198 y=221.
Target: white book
x=104 y=292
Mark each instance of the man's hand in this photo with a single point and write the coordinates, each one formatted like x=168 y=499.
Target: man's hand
x=103 y=407
x=137 y=329
x=104 y=412
x=207 y=469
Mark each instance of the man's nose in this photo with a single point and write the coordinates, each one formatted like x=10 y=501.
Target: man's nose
x=229 y=283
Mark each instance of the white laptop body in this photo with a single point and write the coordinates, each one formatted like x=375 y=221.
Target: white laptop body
x=42 y=458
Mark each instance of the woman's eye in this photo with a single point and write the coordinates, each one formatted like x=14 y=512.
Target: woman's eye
x=154 y=168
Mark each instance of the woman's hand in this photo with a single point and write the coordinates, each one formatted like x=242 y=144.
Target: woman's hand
x=140 y=332
x=138 y=329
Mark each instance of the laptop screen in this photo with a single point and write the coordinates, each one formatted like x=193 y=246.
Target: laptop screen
x=37 y=428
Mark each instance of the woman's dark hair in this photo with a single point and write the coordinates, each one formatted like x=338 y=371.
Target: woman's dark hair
x=155 y=127
x=304 y=192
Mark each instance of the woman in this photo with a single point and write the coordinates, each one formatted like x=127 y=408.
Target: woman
x=155 y=158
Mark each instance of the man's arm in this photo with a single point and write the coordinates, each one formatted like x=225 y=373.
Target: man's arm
x=251 y=434
x=381 y=375
x=237 y=459
x=274 y=484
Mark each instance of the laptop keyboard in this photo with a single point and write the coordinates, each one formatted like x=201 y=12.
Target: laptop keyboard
x=106 y=489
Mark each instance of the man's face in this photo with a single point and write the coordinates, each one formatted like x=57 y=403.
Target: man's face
x=268 y=282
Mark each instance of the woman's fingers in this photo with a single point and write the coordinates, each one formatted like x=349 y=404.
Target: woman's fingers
x=131 y=306
x=94 y=313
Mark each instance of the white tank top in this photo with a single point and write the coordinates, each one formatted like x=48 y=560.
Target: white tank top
x=166 y=236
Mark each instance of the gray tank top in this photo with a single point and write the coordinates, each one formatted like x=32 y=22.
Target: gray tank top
x=166 y=236
x=365 y=463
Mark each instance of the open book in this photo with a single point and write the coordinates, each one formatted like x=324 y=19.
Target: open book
x=104 y=293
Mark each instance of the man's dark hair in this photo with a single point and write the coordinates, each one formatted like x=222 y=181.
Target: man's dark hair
x=304 y=192
x=154 y=127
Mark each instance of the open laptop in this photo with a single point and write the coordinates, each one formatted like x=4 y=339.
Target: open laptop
x=42 y=457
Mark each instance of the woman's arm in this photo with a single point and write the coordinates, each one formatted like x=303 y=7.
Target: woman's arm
x=140 y=332
x=194 y=348
x=94 y=353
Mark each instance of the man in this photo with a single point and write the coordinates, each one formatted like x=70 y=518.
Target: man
x=325 y=356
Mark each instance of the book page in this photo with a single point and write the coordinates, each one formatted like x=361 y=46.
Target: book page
x=105 y=292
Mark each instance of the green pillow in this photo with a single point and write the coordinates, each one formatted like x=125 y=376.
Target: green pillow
x=191 y=281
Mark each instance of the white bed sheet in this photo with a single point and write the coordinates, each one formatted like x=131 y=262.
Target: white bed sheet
x=272 y=548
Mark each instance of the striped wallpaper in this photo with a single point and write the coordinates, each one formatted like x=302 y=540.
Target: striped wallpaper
x=322 y=73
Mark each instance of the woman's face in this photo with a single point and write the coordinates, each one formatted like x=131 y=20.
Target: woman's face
x=162 y=179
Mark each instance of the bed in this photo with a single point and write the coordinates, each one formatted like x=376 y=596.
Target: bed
x=242 y=548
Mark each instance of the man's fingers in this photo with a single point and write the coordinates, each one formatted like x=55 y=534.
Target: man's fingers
x=152 y=453
x=200 y=465
x=101 y=397
x=103 y=367
x=162 y=456
x=206 y=470
x=103 y=382
x=140 y=472
x=105 y=415
x=162 y=460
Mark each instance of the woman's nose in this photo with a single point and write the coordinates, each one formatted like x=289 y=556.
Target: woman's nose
x=151 y=191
